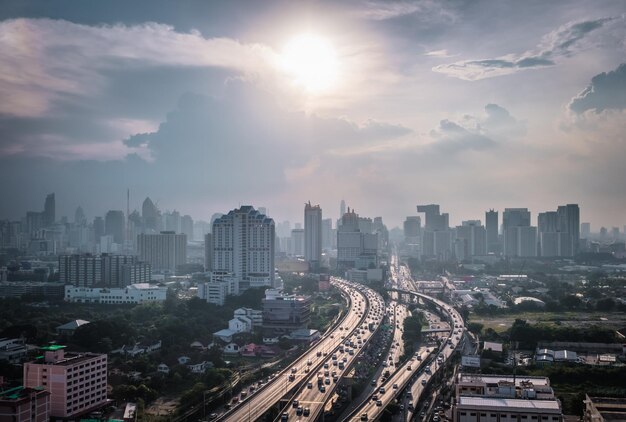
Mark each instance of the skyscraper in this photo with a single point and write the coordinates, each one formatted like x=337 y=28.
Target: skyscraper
x=114 y=225
x=186 y=226
x=150 y=216
x=569 y=222
x=313 y=235
x=491 y=226
x=517 y=232
x=79 y=217
x=585 y=230
x=327 y=233
x=436 y=236
x=49 y=211
x=243 y=246
x=342 y=208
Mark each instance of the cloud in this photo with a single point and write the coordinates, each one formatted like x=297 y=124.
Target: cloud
x=556 y=45
x=452 y=138
x=44 y=60
x=438 y=53
x=607 y=91
x=384 y=10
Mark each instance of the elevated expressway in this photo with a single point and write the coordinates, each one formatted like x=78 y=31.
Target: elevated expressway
x=420 y=368
x=256 y=405
x=311 y=398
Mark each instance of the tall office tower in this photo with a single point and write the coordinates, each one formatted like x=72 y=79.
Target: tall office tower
x=313 y=235
x=342 y=208
x=412 y=227
x=472 y=235
x=436 y=236
x=585 y=230
x=297 y=242
x=512 y=218
x=172 y=221
x=491 y=227
x=243 y=246
x=150 y=216
x=49 y=211
x=327 y=233
x=569 y=222
x=527 y=241
x=114 y=225
x=355 y=248
x=79 y=217
x=77 y=382
x=547 y=222
x=34 y=222
x=98 y=228
x=208 y=252
x=164 y=251
x=186 y=226
x=434 y=220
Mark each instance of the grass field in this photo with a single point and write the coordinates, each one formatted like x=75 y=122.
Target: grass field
x=501 y=323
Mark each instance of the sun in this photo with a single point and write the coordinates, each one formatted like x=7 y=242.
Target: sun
x=311 y=63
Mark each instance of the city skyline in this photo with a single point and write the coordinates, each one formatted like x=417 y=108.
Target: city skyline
x=471 y=105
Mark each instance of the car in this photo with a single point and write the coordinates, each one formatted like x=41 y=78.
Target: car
x=295 y=403
x=373 y=382
x=284 y=416
x=306 y=411
x=322 y=388
x=381 y=390
x=292 y=377
x=395 y=386
x=309 y=385
x=379 y=403
x=299 y=411
x=213 y=416
x=363 y=416
x=327 y=381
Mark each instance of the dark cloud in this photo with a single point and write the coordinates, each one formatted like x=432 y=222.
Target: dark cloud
x=606 y=91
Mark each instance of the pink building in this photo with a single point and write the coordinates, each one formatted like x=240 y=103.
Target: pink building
x=77 y=382
x=24 y=405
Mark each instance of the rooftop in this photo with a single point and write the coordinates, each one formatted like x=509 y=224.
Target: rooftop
x=542 y=405
x=494 y=379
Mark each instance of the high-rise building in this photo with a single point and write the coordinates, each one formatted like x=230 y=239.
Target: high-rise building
x=173 y=221
x=103 y=270
x=186 y=226
x=413 y=236
x=569 y=222
x=491 y=227
x=297 y=242
x=98 y=228
x=585 y=230
x=313 y=235
x=327 y=233
x=357 y=246
x=243 y=246
x=114 y=225
x=342 y=208
x=79 y=217
x=49 y=211
x=208 y=252
x=164 y=251
x=472 y=236
x=436 y=235
x=150 y=216
x=516 y=231
x=77 y=382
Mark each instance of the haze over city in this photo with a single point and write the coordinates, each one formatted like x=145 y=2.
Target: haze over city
x=472 y=105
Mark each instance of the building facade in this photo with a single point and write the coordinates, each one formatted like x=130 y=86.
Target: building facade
x=284 y=313
x=24 y=405
x=313 y=235
x=132 y=294
x=163 y=251
x=243 y=246
x=77 y=382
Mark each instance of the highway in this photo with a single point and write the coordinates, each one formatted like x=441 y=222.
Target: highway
x=311 y=398
x=257 y=404
x=417 y=371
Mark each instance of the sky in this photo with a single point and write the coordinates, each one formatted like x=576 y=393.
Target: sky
x=205 y=106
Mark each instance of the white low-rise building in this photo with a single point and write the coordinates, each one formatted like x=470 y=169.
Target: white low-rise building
x=134 y=293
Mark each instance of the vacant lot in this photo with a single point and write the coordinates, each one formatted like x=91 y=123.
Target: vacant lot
x=501 y=323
